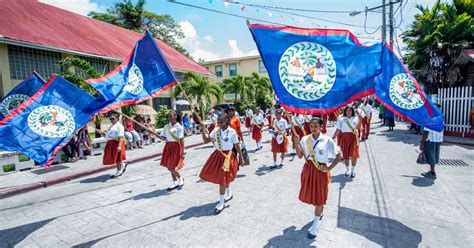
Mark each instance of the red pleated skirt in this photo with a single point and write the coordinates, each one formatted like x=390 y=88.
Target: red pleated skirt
x=314 y=185
x=172 y=158
x=348 y=144
x=111 y=154
x=211 y=127
x=212 y=171
x=270 y=123
x=281 y=148
x=325 y=120
x=299 y=131
x=306 y=128
x=332 y=116
x=247 y=122
x=256 y=133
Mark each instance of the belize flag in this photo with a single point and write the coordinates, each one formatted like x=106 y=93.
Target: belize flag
x=44 y=123
x=316 y=71
x=22 y=92
x=399 y=92
x=144 y=75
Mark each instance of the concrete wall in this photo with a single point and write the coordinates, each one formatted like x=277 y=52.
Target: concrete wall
x=245 y=67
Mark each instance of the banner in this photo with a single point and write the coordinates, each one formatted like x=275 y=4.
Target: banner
x=41 y=125
x=399 y=92
x=144 y=75
x=22 y=92
x=316 y=71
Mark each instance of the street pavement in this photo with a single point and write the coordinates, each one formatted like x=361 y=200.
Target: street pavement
x=388 y=204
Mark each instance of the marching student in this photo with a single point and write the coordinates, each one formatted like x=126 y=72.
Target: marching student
x=211 y=118
x=114 y=152
x=325 y=120
x=235 y=123
x=221 y=167
x=307 y=119
x=365 y=111
x=318 y=150
x=297 y=121
x=347 y=127
x=279 y=140
x=257 y=126
x=269 y=118
x=248 y=118
x=173 y=152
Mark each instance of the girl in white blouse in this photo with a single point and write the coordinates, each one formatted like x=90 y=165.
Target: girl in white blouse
x=279 y=140
x=222 y=166
x=114 y=152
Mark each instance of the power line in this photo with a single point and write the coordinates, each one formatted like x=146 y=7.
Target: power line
x=261 y=20
x=290 y=9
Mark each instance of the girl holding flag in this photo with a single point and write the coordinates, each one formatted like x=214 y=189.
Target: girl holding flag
x=221 y=167
x=318 y=150
x=114 y=152
x=347 y=127
x=257 y=126
x=173 y=153
x=279 y=139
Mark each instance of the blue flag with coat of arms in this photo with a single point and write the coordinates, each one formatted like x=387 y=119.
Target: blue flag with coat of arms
x=22 y=92
x=144 y=75
x=41 y=125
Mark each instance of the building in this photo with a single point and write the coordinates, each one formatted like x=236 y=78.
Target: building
x=36 y=36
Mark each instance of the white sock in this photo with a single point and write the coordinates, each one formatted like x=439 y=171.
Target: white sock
x=275 y=163
x=228 y=192
x=314 y=228
x=260 y=144
x=353 y=168
x=176 y=182
x=347 y=168
x=281 y=161
x=221 y=199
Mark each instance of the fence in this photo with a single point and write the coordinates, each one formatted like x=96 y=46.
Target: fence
x=456 y=104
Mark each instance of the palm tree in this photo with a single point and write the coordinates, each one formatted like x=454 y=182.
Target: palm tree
x=436 y=39
x=263 y=90
x=199 y=89
x=240 y=86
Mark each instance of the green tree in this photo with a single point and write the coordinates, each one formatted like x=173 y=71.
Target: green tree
x=199 y=89
x=131 y=16
x=161 y=118
x=263 y=90
x=239 y=86
x=435 y=40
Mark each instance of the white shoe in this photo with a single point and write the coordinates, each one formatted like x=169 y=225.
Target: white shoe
x=228 y=198
x=117 y=174
x=181 y=182
x=173 y=186
x=348 y=173
x=219 y=208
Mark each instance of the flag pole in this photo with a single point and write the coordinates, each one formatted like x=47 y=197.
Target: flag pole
x=139 y=124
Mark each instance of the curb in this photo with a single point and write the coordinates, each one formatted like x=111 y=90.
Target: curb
x=459 y=143
x=43 y=184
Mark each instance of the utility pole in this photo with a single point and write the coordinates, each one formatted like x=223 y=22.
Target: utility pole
x=384 y=22
x=391 y=22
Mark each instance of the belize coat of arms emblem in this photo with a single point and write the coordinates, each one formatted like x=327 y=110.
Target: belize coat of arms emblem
x=404 y=93
x=51 y=121
x=307 y=70
x=135 y=80
x=11 y=102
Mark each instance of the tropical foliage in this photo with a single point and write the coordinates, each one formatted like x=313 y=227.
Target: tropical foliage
x=436 y=38
x=161 y=118
x=199 y=90
x=131 y=16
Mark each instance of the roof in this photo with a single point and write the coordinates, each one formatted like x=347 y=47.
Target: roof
x=465 y=57
x=229 y=60
x=29 y=22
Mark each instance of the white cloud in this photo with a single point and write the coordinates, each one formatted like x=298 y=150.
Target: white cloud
x=236 y=52
x=193 y=43
x=82 y=7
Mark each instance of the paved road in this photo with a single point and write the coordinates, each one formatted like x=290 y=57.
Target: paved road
x=388 y=204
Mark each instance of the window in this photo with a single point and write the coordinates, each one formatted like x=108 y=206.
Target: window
x=24 y=60
x=218 y=69
x=261 y=67
x=160 y=101
x=100 y=65
x=233 y=69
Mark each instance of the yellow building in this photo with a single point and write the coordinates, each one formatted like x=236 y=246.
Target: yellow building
x=227 y=68
x=36 y=36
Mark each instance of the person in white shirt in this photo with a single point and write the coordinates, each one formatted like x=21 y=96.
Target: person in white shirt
x=212 y=119
x=222 y=166
x=348 y=129
x=279 y=140
x=173 y=152
x=430 y=145
x=257 y=126
x=248 y=118
x=321 y=155
x=114 y=152
x=307 y=119
x=365 y=111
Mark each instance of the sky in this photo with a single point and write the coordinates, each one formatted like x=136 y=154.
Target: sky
x=211 y=36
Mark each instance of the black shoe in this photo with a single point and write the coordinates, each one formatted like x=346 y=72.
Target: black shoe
x=228 y=198
x=321 y=218
x=353 y=175
x=273 y=167
x=124 y=168
x=311 y=236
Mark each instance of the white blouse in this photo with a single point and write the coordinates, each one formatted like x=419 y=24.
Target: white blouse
x=249 y=113
x=228 y=138
x=282 y=124
x=258 y=119
x=177 y=130
x=342 y=125
x=325 y=149
x=115 y=131
x=368 y=110
x=298 y=120
x=212 y=118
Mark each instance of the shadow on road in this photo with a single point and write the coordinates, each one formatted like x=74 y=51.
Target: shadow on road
x=420 y=181
x=383 y=231
x=265 y=169
x=152 y=194
x=12 y=236
x=291 y=237
x=194 y=212
x=341 y=179
x=97 y=179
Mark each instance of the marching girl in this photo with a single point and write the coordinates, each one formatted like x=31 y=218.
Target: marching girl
x=279 y=140
x=114 y=152
x=297 y=121
x=366 y=114
x=248 y=118
x=212 y=118
x=269 y=118
x=257 y=126
x=347 y=127
x=173 y=153
x=307 y=119
x=221 y=167
x=318 y=150
x=325 y=120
